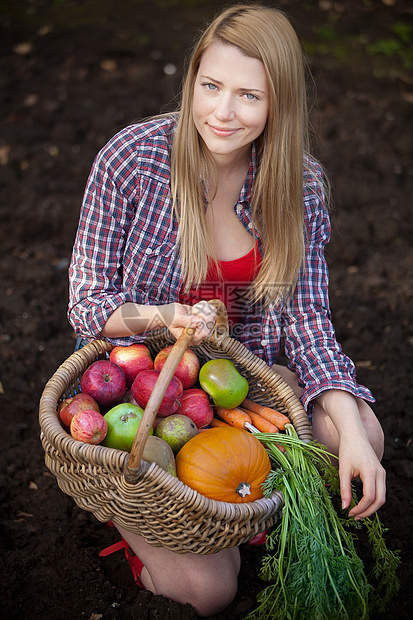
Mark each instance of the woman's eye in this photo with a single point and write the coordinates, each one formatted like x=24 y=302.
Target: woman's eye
x=250 y=96
x=209 y=86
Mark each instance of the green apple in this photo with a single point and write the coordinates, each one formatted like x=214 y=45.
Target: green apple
x=222 y=381
x=123 y=421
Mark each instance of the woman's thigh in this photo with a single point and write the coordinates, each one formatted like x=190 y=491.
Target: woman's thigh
x=289 y=377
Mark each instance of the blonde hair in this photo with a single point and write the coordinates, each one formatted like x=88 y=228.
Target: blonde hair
x=277 y=200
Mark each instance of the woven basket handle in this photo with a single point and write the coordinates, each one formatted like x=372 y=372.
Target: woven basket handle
x=161 y=386
x=157 y=395
x=221 y=323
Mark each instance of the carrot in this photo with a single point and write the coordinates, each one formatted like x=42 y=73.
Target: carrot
x=263 y=425
x=234 y=417
x=215 y=423
x=272 y=415
x=238 y=417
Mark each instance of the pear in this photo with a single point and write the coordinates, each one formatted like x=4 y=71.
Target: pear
x=176 y=430
x=158 y=451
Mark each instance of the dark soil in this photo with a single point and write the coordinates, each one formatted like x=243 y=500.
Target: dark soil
x=72 y=74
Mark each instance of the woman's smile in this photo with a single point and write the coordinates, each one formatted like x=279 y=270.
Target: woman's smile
x=222 y=131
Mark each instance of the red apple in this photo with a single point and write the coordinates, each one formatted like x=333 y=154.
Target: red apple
x=88 y=426
x=70 y=406
x=132 y=359
x=105 y=382
x=128 y=397
x=187 y=370
x=195 y=405
x=142 y=389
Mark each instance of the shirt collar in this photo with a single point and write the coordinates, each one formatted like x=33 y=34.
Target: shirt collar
x=246 y=190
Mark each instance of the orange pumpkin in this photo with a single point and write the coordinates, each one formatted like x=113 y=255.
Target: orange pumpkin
x=226 y=464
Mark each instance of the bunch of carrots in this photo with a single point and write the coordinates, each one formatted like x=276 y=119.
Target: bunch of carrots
x=251 y=416
x=311 y=564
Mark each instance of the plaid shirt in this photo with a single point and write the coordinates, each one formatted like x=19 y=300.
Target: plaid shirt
x=126 y=251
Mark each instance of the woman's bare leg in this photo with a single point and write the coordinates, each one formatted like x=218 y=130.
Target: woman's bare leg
x=207 y=582
x=323 y=428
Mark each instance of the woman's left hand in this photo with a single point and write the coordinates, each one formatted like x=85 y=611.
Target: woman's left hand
x=350 y=430
x=358 y=459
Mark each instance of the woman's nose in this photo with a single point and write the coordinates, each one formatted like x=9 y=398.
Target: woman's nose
x=224 y=109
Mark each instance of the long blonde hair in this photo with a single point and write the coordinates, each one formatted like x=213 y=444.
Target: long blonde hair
x=277 y=200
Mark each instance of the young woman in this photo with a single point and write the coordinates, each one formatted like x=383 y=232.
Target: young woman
x=223 y=199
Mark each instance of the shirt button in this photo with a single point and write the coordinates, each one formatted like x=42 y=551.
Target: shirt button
x=148 y=251
x=264 y=343
x=250 y=225
x=239 y=207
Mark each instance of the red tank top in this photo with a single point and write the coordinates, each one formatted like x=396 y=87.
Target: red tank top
x=231 y=286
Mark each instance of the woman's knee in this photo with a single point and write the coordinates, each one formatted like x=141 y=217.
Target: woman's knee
x=323 y=427
x=373 y=427
x=212 y=594
x=208 y=586
x=207 y=582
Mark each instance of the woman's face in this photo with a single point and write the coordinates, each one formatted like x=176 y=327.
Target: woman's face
x=231 y=100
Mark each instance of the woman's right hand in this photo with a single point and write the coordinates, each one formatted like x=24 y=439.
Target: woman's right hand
x=130 y=319
x=201 y=316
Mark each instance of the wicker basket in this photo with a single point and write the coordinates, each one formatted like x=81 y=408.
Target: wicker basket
x=151 y=502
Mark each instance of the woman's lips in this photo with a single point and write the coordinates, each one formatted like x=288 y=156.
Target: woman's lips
x=222 y=131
